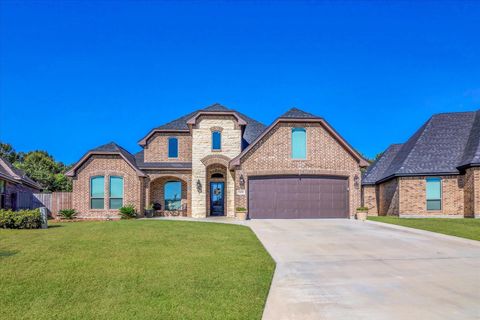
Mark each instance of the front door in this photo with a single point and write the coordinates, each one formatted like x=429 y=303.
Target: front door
x=216 y=199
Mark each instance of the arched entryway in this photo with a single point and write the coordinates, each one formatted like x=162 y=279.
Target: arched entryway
x=216 y=189
x=169 y=196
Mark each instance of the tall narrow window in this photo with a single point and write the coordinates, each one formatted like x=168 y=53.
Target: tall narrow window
x=97 y=192
x=299 y=143
x=116 y=192
x=216 y=140
x=2 y=194
x=173 y=195
x=172 y=147
x=434 y=194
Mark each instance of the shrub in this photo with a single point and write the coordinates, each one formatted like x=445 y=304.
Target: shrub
x=23 y=219
x=67 y=213
x=128 y=212
x=362 y=209
x=241 y=209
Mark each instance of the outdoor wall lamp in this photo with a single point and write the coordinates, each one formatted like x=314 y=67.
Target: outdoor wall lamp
x=242 y=181
x=199 y=186
x=355 y=181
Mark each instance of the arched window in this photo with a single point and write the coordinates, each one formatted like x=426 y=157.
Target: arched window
x=97 y=192
x=116 y=192
x=216 y=140
x=172 y=147
x=217 y=175
x=173 y=195
x=299 y=143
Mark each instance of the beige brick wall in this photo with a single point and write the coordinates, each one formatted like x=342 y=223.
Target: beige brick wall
x=388 y=198
x=103 y=165
x=413 y=198
x=156 y=149
x=325 y=156
x=472 y=192
x=369 y=199
x=202 y=147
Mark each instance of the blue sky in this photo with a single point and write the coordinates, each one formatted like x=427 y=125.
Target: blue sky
x=76 y=75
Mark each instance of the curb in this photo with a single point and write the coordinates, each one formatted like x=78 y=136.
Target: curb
x=426 y=232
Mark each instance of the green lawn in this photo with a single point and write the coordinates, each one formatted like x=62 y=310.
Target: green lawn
x=465 y=228
x=133 y=270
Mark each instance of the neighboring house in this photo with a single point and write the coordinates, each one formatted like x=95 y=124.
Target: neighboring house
x=435 y=173
x=214 y=160
x=16 y=188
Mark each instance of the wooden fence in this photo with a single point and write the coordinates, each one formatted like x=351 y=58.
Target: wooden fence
x=54 y=201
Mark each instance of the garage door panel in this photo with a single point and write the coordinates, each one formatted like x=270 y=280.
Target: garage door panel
x=298 y=197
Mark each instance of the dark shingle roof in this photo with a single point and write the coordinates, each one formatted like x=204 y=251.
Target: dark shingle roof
x=298 y=114
x=139 y=159
x=252 y=129
x=377 y=170
x=471 y=154
x=443 y=144
x=110 y=147
x=10 y=172
x=113 y=147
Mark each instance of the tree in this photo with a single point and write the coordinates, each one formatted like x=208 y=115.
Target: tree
x=42 y=167
x=8 y=153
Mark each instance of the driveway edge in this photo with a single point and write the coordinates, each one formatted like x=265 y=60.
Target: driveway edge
x=426 y=232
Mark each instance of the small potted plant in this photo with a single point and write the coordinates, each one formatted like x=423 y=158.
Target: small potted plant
x=149 y=211
x=362 y=213
x=241 y=213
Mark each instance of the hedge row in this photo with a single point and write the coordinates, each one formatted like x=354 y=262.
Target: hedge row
x=23 y=219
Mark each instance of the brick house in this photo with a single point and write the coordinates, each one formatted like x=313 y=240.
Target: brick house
x=435 y=173
x=15 y=187
x=214 y=160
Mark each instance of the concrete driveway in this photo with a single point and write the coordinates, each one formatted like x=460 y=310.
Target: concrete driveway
x=347 y=269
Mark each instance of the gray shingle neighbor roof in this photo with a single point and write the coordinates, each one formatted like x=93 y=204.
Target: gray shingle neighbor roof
x=445 y=144
x=9 y=172
x=252 y=129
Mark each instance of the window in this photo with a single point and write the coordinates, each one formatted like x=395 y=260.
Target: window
x=116 y=192
x=299 y=143
x=173 y=195
x=217 y=175
x=2 y=194
x=434 y=194
x=172 y=147
x=97 y=192
x=216 y=140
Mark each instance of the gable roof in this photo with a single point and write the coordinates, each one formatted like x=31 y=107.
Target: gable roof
x=110 y=148
x=141 y=164
x=15 y=175
x=253 y=128
x=297 y=115
x=443 y=145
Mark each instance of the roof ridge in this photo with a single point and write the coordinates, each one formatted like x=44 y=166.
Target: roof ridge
x=423 y=129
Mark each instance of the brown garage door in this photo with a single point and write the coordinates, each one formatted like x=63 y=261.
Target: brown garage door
x=297 y=197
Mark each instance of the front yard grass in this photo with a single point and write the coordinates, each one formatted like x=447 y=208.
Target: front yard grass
x=464 y=228
x=133 y=270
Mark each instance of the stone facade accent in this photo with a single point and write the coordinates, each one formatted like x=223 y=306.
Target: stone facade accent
x=106 y=165
x=156 y=149
x=325 y=156
x=202 y=148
